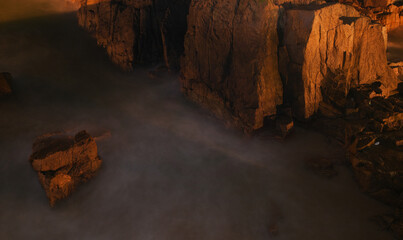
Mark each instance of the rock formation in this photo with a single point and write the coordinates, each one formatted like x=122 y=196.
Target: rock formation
x=387 y=12
x=371 y=129
x=63 y=162
x=5 y=79
x=137 y=31
x=230 y=61
x=328 y=49
x=248 y=61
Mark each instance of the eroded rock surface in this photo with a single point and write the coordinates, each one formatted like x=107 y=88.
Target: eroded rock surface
x=371 y=129
x=230 y=63
x=63 y=162
x=137 y=31
x=387 y=12
x=328 y=49
x=5 y=79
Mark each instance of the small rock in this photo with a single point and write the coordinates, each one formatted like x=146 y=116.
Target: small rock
x=63 y=162
x=273 y=229
x=284 y=125
x=321 y=166
x=384 y=222
x=5 y=79
x=329 y=111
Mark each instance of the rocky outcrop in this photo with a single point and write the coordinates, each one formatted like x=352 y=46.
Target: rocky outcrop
x=371 y=129
x=5 y=79
x=397 y=68
x=230 y=63
x=251 y=61
x=63 y=162
x=387 y=12
x=325 y=51
x=137 y=31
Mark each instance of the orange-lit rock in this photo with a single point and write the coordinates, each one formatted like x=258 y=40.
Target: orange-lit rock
x=387 y=12
x=230 y=63
x=5 y=88
x=373 y=137
x=137 y=31
x=328 y=49
x=63 y=162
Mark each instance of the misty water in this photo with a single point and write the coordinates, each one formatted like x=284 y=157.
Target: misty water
x=170 y=170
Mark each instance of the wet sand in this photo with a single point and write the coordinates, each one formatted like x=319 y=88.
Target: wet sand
x=170 y=170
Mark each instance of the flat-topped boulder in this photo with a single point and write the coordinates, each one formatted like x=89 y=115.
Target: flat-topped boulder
x=63 y=162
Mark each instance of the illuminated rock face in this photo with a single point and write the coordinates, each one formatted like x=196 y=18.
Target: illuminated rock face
x=328 y=50
x=387 y=12
x=230 y=65
x=64 y=162
x=137 y=31
x=232 y=56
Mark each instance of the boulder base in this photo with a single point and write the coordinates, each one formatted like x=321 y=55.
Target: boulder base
x=63 y=162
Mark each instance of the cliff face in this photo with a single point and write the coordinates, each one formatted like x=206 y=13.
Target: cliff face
x=247 y=60
x=137 y=31
x=326 y=51
x=232 y=55
x=230 y=62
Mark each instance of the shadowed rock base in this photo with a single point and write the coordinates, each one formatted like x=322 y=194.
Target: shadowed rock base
x=372 y=131
x=5 y=79
x=63 y=162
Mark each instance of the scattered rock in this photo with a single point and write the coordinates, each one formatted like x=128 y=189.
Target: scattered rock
x=397 y=68
x=284 y=125
x=63 y=162
x=273 y=229
x=384 y=222
x=5 y=79
x=387 y=12
x=322 y=167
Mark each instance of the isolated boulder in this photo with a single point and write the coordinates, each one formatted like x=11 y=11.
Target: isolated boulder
x=63 y=162
x=328 y=49
x=230 y=64
x=5 y=79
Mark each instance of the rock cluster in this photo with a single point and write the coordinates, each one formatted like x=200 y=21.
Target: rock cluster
x=372 y=131
x=387 y=12
x=5 y=79
x=250 y=61
x=63 y=162
x=137 y=31
x=323 y=50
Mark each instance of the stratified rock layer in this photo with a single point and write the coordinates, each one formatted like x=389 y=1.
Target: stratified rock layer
x=328 y=49
x=5 y=79
x=137 y=31
x=63 y=162
x=230 y=65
